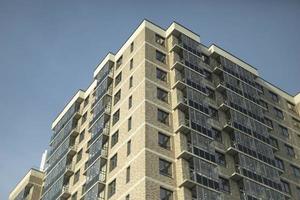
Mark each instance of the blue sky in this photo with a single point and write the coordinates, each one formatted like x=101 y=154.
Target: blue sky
x=49 y=49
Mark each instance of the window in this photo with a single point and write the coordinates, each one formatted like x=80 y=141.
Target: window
x=162 y=94
x=279 y=163
x=111 y=188
x=296 y=123
x=290 y=150
x=224 y=185
x=217 y=135
x=164 y=141
x=129 y=102
x=165 y=167
x=165 y=194
x=211 y=93
x=160 y=56
x=118 y=79
x=162 y=116
x=259 y=87
x=207 y=74
x=264 y=104
x=220 y=158
x=79 y=156
x=84 y=117
x=131 y=64
x=291 y=106
x=74 y=196
x=119 y=62
x=117 y=97
x=81 y=136
x=285 y=186
x=161 y=75
x=274 y=96
x=131 y=46
x=113 y=162
x=128 y=147
x=130 y=82
x=298 y=191
x=129 y=123
x=268 y=122
x=127 y=197
x=86 y=101
x=278 y=113
x=116 y=117
x=127 y=174
x=214 y=113
x=296 y=171
x=114 y=138
x=274 y=142
x=76 y=177
x=159 y=40
x=283 y=131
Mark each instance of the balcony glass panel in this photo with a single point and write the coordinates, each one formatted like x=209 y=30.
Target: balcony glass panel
x=54 y=191
x=55 y=173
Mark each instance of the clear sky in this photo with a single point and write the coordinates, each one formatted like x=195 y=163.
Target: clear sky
x=49 y=49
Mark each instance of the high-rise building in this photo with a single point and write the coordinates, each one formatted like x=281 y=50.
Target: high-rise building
x=167 y=118
x=30 y=187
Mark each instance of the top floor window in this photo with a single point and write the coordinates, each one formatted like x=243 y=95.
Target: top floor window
x=274 y=96
x=159 y=40
x=118 y=78
x=131 y=46
x=119 y=62
x=278 y=113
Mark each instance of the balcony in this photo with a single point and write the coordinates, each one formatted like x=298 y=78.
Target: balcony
x=72 y=150
x=182 y=122
x=220 y=85
x=178 y=80
x=223 y=104
x=102 y=154
x=65 y=193
x=228 y=127
x=105 y=112
x=232 y=150
x=181 y=101
x=102 y=93
x=98 y=179
x=104 y=132
x=236 y=175
x=69 y=170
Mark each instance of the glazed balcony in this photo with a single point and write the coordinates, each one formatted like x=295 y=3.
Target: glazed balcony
x=65 y=193
x=181 y=122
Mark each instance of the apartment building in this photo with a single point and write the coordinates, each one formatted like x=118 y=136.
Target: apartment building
x=167 y=118
x=30 y=187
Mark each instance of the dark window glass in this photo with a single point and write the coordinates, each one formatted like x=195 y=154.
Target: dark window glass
x=113 y=162
x=129 y=102
x=114 y=138
x=165 y=167
x=166 y=194
x=162 y=94
x=296 y=171
x=162 y=116
x=160 y=56
x=76 y=177
x=278 y=113
x=130 y=82
x=118 y=79
x=79 y=156
x=131 y=46
x=217 y=134
x=220 y=158
x=274 y=142
x=285 y=186
x=279 y=163
x=81 y=136
x=111 y=188
x=290 y=150
x=161 y=75
x=274 y=96
x=116 y=117
x=119 y=62
x=84 y=117
x=129 y=123
x=128 y=147
x=164 y=140
x=127 y=174
x=224 y=185
x=131 y=64
x=283 y=131
x=117 y=97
